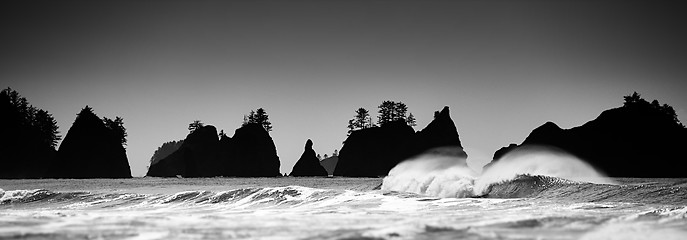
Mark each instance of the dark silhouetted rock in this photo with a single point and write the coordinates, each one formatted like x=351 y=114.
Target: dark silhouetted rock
x=441 y=132
x=635 y=140
x=90 y=150
x=249 y=153
x=165 y=150
x=26 y=145
x=329 y=164
x=198 y=153
x=372 y=152
x=499 y=153
x=308 y=165
x=22 y=153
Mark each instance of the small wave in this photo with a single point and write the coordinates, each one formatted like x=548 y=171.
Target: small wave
x=23 y=196
x=244 y=197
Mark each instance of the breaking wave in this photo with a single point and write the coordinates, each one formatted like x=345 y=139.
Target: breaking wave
x=535 y=172
x=244 y=197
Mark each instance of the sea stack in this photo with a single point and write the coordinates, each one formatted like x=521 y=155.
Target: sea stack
x=249 y=153
x=639 y=139
x=372 y=152
x=196 y=157
x=308 y=165
x=90 y=150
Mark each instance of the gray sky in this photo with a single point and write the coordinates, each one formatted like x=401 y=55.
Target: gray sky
x=504 y=67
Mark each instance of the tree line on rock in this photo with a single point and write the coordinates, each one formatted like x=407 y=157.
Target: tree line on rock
x=206 y=153
x=389 y=111
x=30 y=137
x=638 y=139
x=93 y=147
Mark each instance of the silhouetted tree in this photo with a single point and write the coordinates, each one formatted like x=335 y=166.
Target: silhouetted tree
x=116 y=126
x=195 y=125
x=36 y=122
x=635 y=100
x=411 y=120
x=361 y=120
x=30 y=136
x=260 y=117
x=390 y=111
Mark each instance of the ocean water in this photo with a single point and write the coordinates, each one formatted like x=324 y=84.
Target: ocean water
x=522 y=207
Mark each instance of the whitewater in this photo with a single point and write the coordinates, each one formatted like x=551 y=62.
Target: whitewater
x=429 y=197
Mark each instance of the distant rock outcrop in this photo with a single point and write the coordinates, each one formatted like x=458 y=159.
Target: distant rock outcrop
x=372 y=152
x=198 y=153
x=90 y=150
x=308 y=165
x=636 y=140
x=165 y=150
x=329 y=164
x=249 y=153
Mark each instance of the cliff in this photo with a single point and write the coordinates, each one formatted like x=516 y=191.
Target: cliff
x=372 y=152
x=249 y=153
x=90 y=150
x=636 y=140
x=308 y=165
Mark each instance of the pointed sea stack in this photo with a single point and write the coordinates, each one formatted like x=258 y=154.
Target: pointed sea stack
x=90 y=150
x=372 y=152
x=308 y=165
x=441 y=132
x=636 y=140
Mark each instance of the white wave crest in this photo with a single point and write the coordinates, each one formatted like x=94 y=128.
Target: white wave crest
x=442 y=173
x=434 y=174
x=541 y=161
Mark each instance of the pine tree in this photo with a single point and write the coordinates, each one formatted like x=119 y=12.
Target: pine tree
x=196 y=124
x=411 y=120
x=117 y=128
x=260 y=117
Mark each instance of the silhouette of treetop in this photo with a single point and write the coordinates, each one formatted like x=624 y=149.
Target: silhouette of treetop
x=635 y=101
x=196 y=124
x=115 y=126
x=37 y=122
x=258 y=116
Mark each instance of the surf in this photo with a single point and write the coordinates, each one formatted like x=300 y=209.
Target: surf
x=524 y=172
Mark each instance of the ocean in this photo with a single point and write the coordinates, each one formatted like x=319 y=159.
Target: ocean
x=524 y=207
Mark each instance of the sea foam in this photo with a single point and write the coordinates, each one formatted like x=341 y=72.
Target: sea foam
x=438 y=174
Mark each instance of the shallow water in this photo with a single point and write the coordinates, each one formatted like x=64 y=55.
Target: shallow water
x=527 y=207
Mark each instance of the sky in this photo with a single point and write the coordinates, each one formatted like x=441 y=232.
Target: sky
x=503 y=67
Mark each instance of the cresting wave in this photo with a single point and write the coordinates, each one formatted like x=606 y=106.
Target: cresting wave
x=532 y=172
x=245 y=197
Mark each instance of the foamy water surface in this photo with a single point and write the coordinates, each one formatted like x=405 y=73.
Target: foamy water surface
x=337 y=208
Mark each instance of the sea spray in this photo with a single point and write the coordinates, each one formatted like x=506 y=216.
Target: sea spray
x=439 y=172
x=538 y=161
